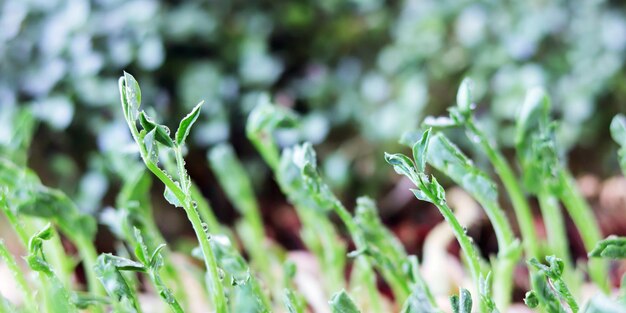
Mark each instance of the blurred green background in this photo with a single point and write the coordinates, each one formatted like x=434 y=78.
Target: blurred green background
x=360 y=72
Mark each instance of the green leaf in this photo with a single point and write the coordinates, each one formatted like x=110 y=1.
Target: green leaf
x=462 y=303
x=161 y=132
x=54 y=205
x=124 y=264
x=342 y=303
x=108 y=272
x=84 y=300
x=531 y=300
x=419 y=151
x=152 y=148
x=402 y=165
x=171 y=197
x=156 y=260
x=131 y=96
x=549 y=286
x=58 y=297
x=533 y=114
x=185 y=124
x=449 y=159
x=262 y=122
x=141 y=250
x=612 y=247
x=266 y=117
x=618 y=129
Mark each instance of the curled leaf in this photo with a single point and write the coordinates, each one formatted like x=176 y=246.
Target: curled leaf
x=161 y=132
x=464 y=97
x=612 y=247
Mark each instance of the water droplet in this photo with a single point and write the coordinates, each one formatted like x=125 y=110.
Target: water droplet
x=205 y=227
x=220 y=273
x=194 y=204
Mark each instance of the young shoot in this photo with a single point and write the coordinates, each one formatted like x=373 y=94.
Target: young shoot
x=428 y=189
x=150 y=139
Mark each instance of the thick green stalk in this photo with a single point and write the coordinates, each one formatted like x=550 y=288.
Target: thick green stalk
x=217 y=290
x=520 y=205
x=61 y=261
x=507 y=257
x=587 y=225
x=363 y=281
x=469 y=252
x=88 y=254
x=204 y=208
x=555 y=229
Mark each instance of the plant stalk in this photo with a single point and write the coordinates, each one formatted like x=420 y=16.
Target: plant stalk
x=520 y=205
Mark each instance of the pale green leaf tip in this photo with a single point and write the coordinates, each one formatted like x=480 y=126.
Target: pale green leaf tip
x=464 y=95
x=618 y=129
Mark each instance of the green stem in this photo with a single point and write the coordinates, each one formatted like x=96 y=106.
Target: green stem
x=467 y=246
x=204 y=208
x=419 y=280
x=171 y=301
x=88 y=254
x=267 y=147
x=170 y=272
x=520 y=205
x=365 y=277
x=556 y=231
x=587 y=225
x=29 y=298
x=507 y=257
x=216 y=289
x=503 y=282
x=59 y=259
x=325 y=246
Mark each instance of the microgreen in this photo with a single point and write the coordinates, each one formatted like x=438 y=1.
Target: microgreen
x=546 y=176
x=549 y=288
x=428 y=189
x=449 y=159
x=176 y=192
x=245 y=271
x=461 y=115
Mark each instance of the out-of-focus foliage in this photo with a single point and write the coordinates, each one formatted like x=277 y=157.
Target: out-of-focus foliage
x=364 y=70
